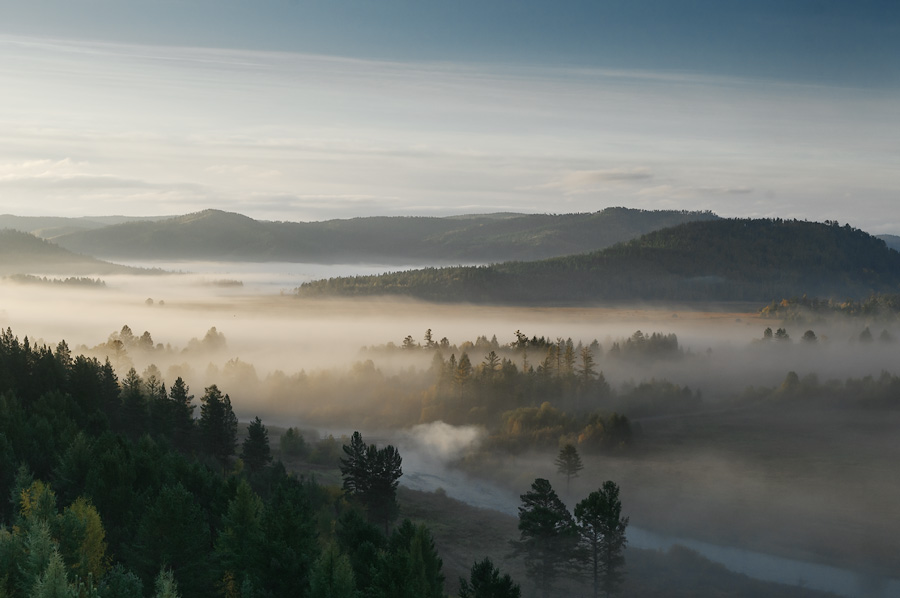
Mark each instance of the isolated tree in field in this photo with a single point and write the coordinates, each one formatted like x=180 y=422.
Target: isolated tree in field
x=218 y=425
x=371 y=475
x=568 y=463
x=485 y=582
x=548 y=535
x=602 y=529
x=255 y=450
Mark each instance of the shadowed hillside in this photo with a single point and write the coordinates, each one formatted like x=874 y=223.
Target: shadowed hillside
x=723 y=260
x=22 y=253
x=217 y=235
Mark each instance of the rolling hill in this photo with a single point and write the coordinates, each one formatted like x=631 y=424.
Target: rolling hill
x=224 y=236
x=720 y=260
x=23 y=253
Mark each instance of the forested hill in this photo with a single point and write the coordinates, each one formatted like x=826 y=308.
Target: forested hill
x=722 y=260
x=224 y=236
x=892 y=241
x=22 y=253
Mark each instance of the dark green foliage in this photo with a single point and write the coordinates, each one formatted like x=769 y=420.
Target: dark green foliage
x=485 y=582
x=239 y=547
x=174 y=533
x=121 y=583
x=602 y=529
x=255 y=449
x=548 y=536
x=135 y=410
x=361 y=542
x=371 y=475
x=410 y=568
x=332 y=576
x=722 y=260
x=291 y=545
x=218 y=425
x=182 y=416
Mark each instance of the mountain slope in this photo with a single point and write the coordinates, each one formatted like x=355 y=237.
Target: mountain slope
x=23 y=253
x=217 y=235
x=724 y=260
x=892 y=241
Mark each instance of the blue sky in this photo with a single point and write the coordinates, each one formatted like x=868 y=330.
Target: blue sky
x=301 y=110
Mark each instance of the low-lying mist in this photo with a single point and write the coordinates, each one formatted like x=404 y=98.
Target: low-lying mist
x=721 y=352
x=750 y=459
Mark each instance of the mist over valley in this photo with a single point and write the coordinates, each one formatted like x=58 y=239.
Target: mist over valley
x=762 y=430
x=454 y=299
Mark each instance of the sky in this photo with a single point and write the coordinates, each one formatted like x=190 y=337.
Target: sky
x=301 y=110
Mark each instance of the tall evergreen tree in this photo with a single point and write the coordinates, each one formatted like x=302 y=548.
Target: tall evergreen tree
x=548 y=535
x=183 y=426
x=485 y=582
x=255 y=450
x=602 y=529
x=218 y=425
x=568 y=463
x=332 y=576
x=239 y=545
x=372 y=475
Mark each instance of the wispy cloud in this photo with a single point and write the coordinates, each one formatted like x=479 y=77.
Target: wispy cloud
x=290 y=135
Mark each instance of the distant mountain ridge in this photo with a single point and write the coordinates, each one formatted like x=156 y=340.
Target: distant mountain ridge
x=226 y=236
x=721 y=260
x=48 y=227
x=24 y=253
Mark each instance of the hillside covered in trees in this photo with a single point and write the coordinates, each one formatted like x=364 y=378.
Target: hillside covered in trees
x=23 y=253
x=720 y=260
x=118 y=489
x=217 y=235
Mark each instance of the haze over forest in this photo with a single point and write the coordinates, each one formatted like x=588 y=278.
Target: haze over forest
x=407 y=299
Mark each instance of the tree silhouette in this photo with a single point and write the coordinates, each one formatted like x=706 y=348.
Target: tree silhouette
x=218 y=425
x=485 y=582
x=183 y=425
x=371 y=475
x=568 y=463
x=602 y=529
x=255 y=450
x=548 y=535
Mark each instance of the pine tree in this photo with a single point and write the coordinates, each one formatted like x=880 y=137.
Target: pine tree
x=255 y=450
x=485 y=582
x=602 y=528
x=166 y=587
x=183 y=426
x=568 y=463
x=548 y=535
x=332 y=576
x=218 y=425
